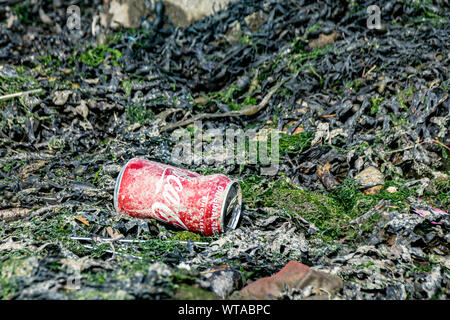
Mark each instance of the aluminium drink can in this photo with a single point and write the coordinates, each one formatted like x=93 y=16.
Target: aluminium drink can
x=205 y=204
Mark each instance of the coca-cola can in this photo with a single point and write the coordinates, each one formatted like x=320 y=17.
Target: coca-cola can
x=205 y=204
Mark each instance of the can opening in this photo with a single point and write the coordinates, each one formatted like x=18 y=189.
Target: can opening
x=232 y=207
x=117 y=187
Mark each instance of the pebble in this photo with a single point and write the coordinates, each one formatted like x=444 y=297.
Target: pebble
x=369 y=176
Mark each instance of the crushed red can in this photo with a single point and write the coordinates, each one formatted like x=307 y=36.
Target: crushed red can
x=205 y=204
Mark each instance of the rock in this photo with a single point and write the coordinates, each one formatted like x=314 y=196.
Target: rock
x=222 y=281
x=293 y=276
x=202 y=100
x=11 y=20
x=183 y=12
x=371 y=176
x=254 y=20
x=123 y=13
x=325 y=176
x=323 y=40
x=234 y=32
x=432 y=283
x=127 y=13
x=392 y=189
x=13 y=214
x=322 y=132
x=44 y=17
x=82 y=109
x=60 y=97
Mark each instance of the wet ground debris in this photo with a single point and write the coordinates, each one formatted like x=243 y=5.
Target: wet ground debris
x=345 y=98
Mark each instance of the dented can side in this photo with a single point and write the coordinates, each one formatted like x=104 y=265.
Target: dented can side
x=204 y=204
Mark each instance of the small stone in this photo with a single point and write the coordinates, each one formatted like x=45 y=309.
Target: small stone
x=255 y=20
x=82 y=109
x=323 y=40
x=202 y=100
x=371 y=176
x=44 y=17
x=293 y=276
x=392 y=190
x=60 y=97
x=234 y=32
x=381 y=87
x=128 y=14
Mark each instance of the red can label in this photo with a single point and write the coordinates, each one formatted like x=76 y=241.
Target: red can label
x=147 y=189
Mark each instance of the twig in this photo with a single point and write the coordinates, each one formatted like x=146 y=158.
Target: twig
x=370 y=70
x=47 y=209
x=403 y=149
x=439 y=143
x=198 y=243
x=426 y=141
x=247 y=111
x=114 y=253
x=369 y=213
x=326 y=116
x=19 y=94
